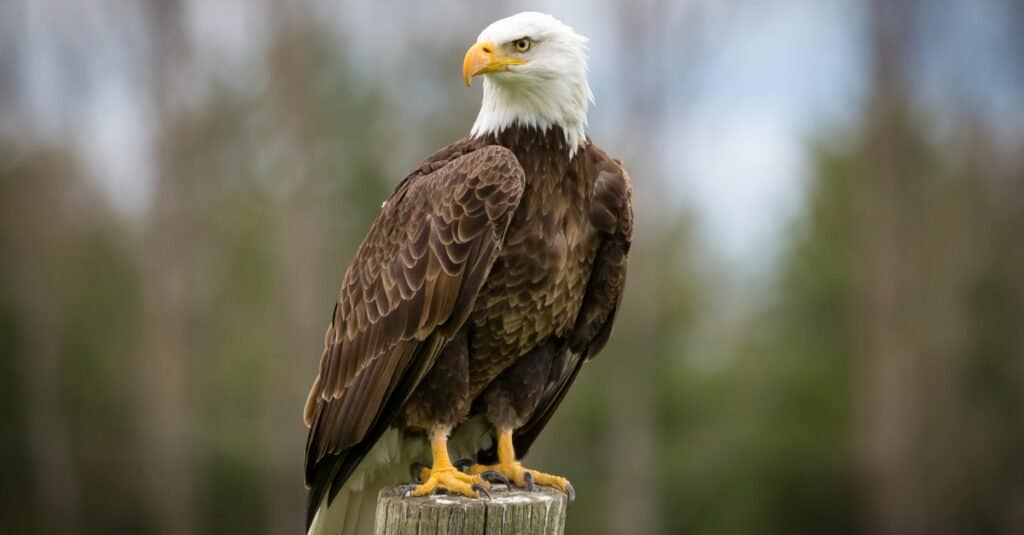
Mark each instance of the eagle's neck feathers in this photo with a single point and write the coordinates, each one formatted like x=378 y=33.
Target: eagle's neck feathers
x=555 y=103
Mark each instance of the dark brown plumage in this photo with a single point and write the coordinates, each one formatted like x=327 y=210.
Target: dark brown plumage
x=409 y=290
x=489 y=277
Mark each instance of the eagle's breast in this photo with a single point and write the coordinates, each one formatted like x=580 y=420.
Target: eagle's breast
x=536 y=286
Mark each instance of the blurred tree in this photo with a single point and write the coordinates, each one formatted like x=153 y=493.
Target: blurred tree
x=329 y=179
x=68 y=298
x=169 y=278
x=262 y=196
x=928 y=266
x=31 y=252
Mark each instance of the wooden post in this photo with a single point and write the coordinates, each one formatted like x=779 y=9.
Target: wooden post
x=541 y=512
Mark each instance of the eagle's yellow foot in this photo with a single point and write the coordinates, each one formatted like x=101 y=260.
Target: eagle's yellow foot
x=525 y=478
x=451 y=480
x=514 y=471
x=444 y=476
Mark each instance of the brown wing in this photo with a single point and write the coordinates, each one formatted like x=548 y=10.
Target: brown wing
x=611 y=212
x=409 y=289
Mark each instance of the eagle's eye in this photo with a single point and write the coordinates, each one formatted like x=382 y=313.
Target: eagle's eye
x=523 y=45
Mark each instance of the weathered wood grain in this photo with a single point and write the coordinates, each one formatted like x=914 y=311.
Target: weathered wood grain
x=508 y=512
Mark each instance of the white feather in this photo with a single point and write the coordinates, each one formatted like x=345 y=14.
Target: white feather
x=387 y=464
x=550 y=89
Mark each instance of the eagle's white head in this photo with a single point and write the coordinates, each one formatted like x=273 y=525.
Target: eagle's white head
x=535 y=74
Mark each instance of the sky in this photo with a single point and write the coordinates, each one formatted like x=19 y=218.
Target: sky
x=783 y=72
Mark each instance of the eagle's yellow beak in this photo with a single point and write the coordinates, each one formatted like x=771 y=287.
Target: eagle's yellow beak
x=483 y=58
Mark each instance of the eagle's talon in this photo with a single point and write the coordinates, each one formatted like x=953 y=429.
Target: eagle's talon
x=419 y=471
x=451 y=481
x=481 y=490
x=513 y=474
x=494 y=476
x=406 y=490
x=556 y=482
x=528 y=480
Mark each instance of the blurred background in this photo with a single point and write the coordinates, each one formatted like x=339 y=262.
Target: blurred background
x=823 y=330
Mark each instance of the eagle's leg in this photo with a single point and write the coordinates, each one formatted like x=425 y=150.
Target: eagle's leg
x=442 y=475
x=522 y=477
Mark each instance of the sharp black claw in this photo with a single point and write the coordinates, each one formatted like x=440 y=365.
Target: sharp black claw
x=416 y=470
x=463 y=465
x=528 y=478
x=483 y=491
x=570 y=491
x=407 y=490
x=494 y=476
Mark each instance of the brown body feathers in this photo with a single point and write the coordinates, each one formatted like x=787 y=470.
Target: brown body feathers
x=489 y=277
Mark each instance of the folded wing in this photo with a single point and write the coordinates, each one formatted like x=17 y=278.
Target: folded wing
x=410 y=288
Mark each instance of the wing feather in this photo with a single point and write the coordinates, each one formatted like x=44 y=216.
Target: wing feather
x=408 y=290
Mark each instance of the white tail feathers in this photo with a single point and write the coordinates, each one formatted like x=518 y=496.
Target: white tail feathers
x=354 y=509
x=351 y=513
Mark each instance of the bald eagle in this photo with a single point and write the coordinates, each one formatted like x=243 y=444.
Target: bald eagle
x=489 y=277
